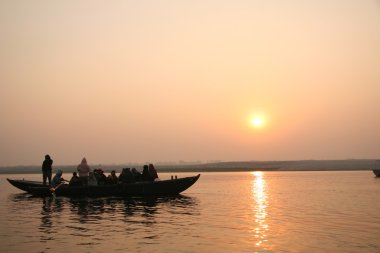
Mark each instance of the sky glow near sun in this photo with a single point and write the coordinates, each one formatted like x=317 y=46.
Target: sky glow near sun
x=164 y=81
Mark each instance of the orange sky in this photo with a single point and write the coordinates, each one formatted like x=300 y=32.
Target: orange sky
x=139 y=81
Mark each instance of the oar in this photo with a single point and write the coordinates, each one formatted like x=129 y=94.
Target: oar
x=55 y=188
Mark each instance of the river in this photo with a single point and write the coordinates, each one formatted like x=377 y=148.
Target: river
x=223 y=212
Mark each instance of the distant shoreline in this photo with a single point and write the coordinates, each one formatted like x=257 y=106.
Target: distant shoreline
x=299 y=165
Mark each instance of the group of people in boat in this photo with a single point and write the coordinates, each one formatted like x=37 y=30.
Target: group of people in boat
x=85 y=176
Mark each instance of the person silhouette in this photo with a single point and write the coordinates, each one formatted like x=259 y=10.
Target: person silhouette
x=83 y=171
x=47 y=169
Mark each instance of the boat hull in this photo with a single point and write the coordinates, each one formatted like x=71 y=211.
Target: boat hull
x=156 y=188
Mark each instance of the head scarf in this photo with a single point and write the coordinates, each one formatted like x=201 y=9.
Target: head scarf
x=59 y=173
x=84 y=161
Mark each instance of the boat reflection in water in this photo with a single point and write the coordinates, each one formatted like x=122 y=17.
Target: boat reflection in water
x=259 y=208
x=92 y=220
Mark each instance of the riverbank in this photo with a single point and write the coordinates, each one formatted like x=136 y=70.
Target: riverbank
x=302 y=165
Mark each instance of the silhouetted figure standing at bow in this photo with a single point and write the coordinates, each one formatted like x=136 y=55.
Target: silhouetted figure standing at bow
x=47 y=169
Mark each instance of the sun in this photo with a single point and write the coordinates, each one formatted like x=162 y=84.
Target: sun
x=257 y=122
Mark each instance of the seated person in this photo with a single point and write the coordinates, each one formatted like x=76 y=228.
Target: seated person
x=112 y=179
x=136 y=174
x=92 y=179
x=146 y=175
x=100 y=177
x=126 y=176
x=75 y=180
x=153 y=172
x=57 y=179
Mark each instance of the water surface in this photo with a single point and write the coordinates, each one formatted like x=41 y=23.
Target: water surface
x=222 y=212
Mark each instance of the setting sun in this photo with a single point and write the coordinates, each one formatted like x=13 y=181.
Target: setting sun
x=257 y=122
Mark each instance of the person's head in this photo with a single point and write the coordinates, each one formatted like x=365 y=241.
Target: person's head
x=113 y=173
x=59 y=172
x=75 y=174
x=47 y=157
x=151 y=167
x=145 y=167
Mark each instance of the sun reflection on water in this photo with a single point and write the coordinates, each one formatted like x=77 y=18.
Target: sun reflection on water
x=259 y=208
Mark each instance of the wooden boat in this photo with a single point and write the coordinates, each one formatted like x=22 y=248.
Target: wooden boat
x=376 y=172
x=145 y=188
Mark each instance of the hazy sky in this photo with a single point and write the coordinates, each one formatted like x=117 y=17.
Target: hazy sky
x=137 y=81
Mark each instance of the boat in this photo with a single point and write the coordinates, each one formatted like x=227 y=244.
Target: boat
x=376 y=168
x=143 y=188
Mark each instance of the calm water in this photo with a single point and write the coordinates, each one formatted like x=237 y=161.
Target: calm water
x=222 y=212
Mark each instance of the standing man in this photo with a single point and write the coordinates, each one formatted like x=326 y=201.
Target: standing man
x=46 y=169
